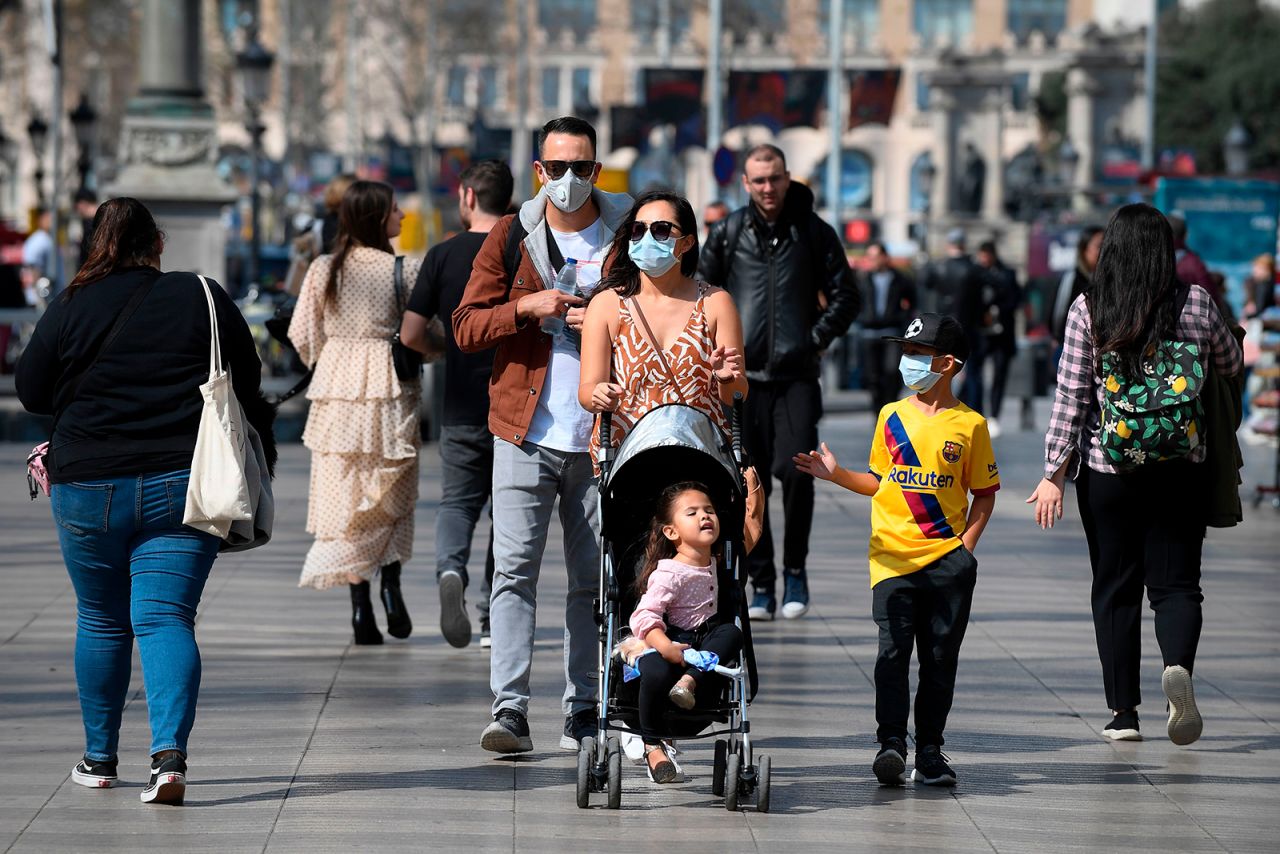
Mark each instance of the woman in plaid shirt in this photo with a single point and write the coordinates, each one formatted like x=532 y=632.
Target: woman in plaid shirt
x=1145 y=525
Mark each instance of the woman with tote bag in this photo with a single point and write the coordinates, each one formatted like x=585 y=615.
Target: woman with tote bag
x=362 y=427
x=118 y=360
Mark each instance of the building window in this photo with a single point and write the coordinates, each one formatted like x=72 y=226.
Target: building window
x=489 y=87
x=937 y=20
x=456 y=86
x=579 y=16
x=551 y=88
x=645 y=17
x=581 y=94
x=861 y=18
x=1048 y=17
x=763 y=16
x=1020 y=91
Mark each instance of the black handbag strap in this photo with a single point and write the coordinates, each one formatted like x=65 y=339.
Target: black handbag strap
x=398 y=277
x=73 y=387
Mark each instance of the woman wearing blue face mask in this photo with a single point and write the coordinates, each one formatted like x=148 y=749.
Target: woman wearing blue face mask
x=653 y=334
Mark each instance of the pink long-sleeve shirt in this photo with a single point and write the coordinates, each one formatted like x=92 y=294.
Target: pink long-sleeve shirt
x=685 y=595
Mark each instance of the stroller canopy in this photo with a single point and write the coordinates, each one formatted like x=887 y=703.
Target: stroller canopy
x=669 y=444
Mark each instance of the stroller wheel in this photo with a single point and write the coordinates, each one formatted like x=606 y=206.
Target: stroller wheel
x=762 y=784
x=718 y=767
x=732 y=782
x=615 y=774
x=586 y=756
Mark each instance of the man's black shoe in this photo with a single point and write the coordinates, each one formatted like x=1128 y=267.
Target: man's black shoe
x=509 y=733
x=578 y=726
x=890 y=766
x=932 y=768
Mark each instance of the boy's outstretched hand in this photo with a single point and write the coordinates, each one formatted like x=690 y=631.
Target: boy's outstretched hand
x=821 y=464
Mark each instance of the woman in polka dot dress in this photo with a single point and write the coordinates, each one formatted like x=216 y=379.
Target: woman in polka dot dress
x=362 y=429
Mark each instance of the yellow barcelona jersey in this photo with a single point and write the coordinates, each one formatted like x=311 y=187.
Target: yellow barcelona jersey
x=927 y=466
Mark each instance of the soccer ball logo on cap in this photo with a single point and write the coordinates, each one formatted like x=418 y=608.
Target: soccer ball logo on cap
x=916 y=327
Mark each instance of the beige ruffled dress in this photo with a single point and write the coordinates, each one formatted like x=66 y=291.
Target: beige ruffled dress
x=362 y=429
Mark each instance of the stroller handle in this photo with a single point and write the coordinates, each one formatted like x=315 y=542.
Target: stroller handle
x=606 y=430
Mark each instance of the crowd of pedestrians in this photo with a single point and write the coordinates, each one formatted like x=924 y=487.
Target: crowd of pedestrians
x=582 y=302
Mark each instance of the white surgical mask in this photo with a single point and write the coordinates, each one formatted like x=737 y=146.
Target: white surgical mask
x=569 y=192
x=917 y=372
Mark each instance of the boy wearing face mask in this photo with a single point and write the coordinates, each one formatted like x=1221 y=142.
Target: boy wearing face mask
x=541 y=434
x=928 y=454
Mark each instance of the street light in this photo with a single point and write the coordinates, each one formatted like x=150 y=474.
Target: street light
x=1068 y=164
x=1235 y=149
x=254 y=64
x=38 y=132
x=926 y=174
x=84 y=121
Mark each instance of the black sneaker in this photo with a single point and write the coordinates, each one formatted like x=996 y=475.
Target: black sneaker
x=94 y=774
x=890 y=766
x=578 y=726
x=455 y=625
x=509 y=733
x=168 y=783
x=1123 y=727
x=485 y=641
x=932 y=768
x=762 y=606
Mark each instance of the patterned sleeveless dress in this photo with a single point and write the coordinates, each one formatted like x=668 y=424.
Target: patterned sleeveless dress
x=646 y=385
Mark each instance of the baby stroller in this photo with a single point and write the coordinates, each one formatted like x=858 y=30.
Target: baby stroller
x=669 y=444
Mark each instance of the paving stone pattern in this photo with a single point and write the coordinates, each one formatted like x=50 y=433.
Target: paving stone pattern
x=304 y=742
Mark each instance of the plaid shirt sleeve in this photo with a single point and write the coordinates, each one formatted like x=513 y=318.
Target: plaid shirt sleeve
x=1228 y=358
x=1076 y=391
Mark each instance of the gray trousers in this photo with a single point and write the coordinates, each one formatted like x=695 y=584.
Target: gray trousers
x=526 y=482
x=466 y=457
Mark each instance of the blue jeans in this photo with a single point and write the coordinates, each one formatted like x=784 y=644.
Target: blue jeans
x=137 y=572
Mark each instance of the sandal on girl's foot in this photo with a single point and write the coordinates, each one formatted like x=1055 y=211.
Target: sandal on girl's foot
x=682 y=693
x=664 y=771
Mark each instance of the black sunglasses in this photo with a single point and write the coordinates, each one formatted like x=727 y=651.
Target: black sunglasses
x=556 y=168
x=661 y=230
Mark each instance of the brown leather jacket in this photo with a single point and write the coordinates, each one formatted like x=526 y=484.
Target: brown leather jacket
x=486 y=317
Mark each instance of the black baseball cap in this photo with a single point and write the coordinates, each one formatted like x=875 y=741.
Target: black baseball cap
x=942 y=332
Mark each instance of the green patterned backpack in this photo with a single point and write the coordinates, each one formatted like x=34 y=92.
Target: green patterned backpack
x=1157 y=416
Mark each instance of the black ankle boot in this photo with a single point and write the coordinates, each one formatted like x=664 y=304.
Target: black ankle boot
x=366 y=628
x=398 y=623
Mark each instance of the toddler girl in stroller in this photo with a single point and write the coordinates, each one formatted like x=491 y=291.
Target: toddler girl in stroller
x=678 y=594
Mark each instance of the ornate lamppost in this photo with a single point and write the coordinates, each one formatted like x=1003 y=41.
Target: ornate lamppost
x=254 y=64
x=927 y=173
x=1235 y=149
x=38 y=132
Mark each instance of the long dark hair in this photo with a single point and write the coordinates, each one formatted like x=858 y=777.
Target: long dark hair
x=124 y=235
x=1131 y=302
x=362 y=221
x=1082 y=245
x=658 y=547
x=624 y=275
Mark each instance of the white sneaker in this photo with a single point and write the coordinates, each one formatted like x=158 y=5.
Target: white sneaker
x=993 y=428
x=1185 y=724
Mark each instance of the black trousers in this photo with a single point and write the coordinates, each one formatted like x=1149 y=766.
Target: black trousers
x=782 y=421
x=1000 y=357
x=657 y=675
x=930 y=610
x=1145 y=530
x=880 y=374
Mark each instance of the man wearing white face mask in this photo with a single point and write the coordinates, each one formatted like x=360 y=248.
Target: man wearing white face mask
x=541 y=434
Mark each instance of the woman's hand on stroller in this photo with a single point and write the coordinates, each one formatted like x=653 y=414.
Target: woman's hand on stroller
x=605 y=397
x=821 y=464
x=726 y=364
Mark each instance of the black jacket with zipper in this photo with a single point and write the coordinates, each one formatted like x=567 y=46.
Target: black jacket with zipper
x=790 y=281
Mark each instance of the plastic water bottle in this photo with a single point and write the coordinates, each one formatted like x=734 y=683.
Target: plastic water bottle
x=567 y=283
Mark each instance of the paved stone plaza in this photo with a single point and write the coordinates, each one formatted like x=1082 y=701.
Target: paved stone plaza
x=306 y=743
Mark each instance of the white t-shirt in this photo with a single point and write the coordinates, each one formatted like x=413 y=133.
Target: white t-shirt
x=559 y=421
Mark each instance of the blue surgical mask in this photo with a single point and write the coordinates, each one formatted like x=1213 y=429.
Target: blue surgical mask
x=652 y=256
x=917 y=372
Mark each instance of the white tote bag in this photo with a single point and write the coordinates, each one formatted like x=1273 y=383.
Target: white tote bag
x=219 y=493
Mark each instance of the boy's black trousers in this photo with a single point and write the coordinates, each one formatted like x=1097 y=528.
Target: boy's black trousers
x=927 y=609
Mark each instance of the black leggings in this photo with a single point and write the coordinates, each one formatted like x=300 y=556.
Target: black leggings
x=657 y=676
x=1145 y=529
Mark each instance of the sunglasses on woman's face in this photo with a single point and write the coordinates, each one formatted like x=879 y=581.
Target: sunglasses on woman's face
x=555 y=169
x=661 y=230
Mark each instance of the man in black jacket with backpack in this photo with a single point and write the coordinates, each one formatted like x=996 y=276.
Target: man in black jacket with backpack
x=788 y=274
